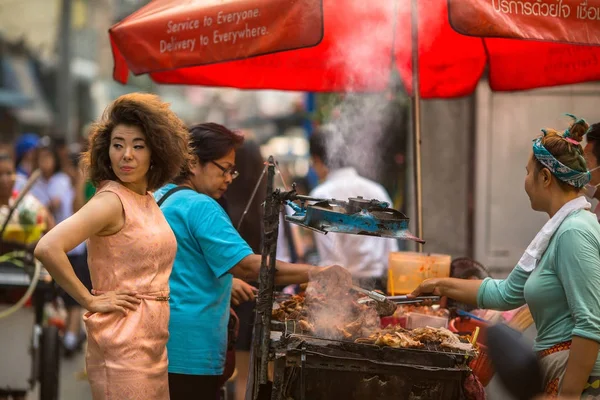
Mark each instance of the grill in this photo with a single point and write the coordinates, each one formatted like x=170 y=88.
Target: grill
x=312 y=368
x=309 y=367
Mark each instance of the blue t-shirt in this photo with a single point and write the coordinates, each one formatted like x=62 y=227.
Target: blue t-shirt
x=208 y=246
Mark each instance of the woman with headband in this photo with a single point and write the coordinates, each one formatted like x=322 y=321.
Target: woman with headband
x=558 y=276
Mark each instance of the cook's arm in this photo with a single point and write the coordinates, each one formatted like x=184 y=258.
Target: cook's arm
x=496 y=294
x=577 y=261
x=287 y=273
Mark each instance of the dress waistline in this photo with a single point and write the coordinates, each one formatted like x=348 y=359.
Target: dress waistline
x=156 y=296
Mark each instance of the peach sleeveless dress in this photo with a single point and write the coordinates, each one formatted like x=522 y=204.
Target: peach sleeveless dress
x=126 y=355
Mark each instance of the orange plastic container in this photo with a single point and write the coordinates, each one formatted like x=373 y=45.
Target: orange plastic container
x=406 y=270
x=482 y=365
x=466 y=326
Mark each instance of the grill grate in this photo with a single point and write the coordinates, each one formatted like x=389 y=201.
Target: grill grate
x=292 y=330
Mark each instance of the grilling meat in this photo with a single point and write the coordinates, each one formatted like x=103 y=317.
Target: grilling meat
x=431 y=335
x=306 y=326
x=398 y=340
x=293 y=308
x=416 y=338
x=344 y=318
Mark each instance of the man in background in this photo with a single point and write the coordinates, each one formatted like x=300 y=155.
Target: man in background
x=25 y=157
x=365 y=257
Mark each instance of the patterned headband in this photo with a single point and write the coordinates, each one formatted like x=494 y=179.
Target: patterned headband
x=574 y=178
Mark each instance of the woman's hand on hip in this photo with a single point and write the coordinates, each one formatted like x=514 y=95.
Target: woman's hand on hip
x=115 y=301
x=241 y=292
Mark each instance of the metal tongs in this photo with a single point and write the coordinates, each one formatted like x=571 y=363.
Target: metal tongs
x=371 y=295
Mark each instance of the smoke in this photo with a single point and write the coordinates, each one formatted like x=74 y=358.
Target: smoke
x=333 y=312
x=355 y=131
x=364 y=53
x=367 y=52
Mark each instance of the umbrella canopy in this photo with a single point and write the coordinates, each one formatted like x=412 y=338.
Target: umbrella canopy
x=573 y=22
x=362 y=44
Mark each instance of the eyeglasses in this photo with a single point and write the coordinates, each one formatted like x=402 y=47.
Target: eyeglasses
x=231 y=170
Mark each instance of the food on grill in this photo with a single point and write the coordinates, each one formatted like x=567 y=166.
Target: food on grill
x=306 y=326
x=416 y=338
x=321 y=316
x=340 y=318
x=398 y=339
x=431 y=335
x=441 y=336
x=384 y=308
x=290 y=309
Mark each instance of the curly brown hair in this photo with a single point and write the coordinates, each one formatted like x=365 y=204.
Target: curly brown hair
x=166 y=135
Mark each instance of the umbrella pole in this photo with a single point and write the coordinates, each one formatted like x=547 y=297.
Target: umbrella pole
x=416 y=115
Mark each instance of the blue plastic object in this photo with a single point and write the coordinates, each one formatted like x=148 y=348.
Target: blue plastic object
x=355 y=216
x=464 y=313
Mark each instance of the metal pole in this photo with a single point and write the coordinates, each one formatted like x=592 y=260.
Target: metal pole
x=64 y=83
x=264 y=305
x=416 y=114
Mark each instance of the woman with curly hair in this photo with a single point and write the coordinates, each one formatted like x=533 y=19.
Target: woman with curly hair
x=138 y=145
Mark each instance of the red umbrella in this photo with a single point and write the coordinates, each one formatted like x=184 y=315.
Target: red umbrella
x=362 y=43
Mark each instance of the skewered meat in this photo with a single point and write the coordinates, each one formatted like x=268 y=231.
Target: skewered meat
x=344 y=318
x=293 y=308
x=441 y=336
x=306 y=326
x=431 y=335
x=416 y=338
x=384 y=308
x=398 y=340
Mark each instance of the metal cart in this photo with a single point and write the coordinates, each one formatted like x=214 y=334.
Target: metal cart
x=30 y=347
x=356 y=216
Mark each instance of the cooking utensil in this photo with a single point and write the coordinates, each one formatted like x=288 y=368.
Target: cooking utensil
x=405 y=299
x=408 y=300
x=371 y=294
x=383 y=306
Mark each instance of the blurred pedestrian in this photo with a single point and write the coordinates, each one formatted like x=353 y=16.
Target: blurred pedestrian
x=56 y=191
x=31 y=219
x=25 y=157
x=558 y=275
x=138 y=145
x=591 y=152
x=365 y=257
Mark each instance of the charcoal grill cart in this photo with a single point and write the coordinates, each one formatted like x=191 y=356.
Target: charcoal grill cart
x=312 y=368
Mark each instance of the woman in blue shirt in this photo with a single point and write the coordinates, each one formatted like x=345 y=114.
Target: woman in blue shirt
x=210 y=253
x=558 y=275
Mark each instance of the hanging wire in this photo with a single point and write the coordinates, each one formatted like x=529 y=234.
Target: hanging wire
x=260 y=178
x=287 y=188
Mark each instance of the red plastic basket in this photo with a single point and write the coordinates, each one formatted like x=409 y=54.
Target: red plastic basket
x=393 y=321
x=482 y=365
